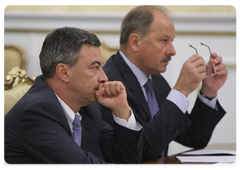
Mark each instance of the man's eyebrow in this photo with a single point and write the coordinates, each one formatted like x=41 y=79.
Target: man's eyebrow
x=165 y=36
x=96 y=62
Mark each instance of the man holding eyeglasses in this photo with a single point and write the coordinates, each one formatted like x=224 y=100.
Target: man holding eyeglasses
x=145 y=51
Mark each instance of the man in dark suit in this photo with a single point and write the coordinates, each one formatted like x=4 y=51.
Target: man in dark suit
x=145 y=50
x=44 y=126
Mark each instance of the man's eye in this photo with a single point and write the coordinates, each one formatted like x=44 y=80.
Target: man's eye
x=96 y=67
x=163 y=42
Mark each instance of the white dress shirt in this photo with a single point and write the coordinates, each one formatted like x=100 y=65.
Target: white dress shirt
x=70 y=115
x=174 y=96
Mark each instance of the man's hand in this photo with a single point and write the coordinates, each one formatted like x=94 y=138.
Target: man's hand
x=212 y=84
x=113 y=95
x=192 y=73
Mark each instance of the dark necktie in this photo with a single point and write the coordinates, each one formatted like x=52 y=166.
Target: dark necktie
x=152 y=102
x=77 y=130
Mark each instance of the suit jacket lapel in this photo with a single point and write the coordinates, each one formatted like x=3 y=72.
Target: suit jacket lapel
x=60 y=117
x=91 y=129
x=131 y=82
x=160 y=92
x=86 y=123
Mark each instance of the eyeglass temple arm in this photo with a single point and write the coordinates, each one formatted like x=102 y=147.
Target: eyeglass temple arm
x=194 y=48
x=211 y=57
x=208 y=48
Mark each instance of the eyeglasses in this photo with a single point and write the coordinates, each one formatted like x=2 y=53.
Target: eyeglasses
x=214 y=70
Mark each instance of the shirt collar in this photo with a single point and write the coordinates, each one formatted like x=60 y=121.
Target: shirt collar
x=141 y=77
x=70 y=115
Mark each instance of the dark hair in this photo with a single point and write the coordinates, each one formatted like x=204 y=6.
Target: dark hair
x=62 y=45
x=138 y=21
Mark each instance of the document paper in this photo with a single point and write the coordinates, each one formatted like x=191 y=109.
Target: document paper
x=207 y=159
x=210 y=152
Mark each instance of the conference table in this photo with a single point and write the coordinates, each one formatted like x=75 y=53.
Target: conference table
x=172 y=159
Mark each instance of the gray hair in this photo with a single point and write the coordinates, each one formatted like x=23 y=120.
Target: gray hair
x=62 y=45
x=138 y=21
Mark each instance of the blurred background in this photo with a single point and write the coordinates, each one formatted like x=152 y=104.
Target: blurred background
x=27 y=25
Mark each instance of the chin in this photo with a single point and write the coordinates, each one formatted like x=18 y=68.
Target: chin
x=162 y=70
x=162 y=67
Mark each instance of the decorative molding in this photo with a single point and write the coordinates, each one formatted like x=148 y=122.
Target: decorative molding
x=111 y=22
x=49 y=21
x=205 y=23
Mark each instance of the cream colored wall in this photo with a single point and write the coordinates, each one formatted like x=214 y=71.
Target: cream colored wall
x=120 y=8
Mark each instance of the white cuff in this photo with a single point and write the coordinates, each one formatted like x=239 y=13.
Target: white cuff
x=130 y=124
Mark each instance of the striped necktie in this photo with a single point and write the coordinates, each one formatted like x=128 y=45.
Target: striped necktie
x=152 y=102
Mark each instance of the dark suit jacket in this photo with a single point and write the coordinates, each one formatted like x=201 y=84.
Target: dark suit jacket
x=192 y=130
x=37 y=131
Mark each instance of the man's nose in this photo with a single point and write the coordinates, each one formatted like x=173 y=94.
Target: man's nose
x=103 y=77
x=171 y=51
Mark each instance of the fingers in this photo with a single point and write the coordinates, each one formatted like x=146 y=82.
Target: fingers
x=112 y=88
x=100 y=92
x=192 y=73
x=216 y=59
x=219 y=66
x=221 y=69
x=213 y=55
x=196 y=64
x=194 y=58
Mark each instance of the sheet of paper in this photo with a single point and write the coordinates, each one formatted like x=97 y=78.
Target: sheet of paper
x=210 y=152
x=225 y=164
x=207 y=159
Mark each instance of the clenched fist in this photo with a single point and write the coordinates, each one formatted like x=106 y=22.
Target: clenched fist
x=112 y=94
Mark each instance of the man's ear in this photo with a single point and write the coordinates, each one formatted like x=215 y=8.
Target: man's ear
x=134 y=41
x=62 y=72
